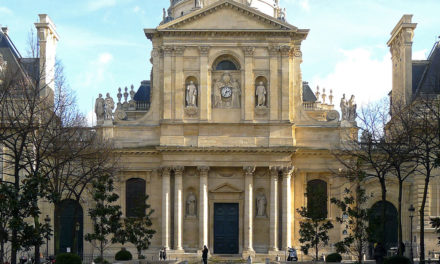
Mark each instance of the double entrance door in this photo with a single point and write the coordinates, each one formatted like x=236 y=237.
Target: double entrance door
x=226 y=228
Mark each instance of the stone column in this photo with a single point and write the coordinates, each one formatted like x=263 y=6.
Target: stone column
x=273 y=225
x=178 y=207
x=203 y=207
x=166 y=207
x=286 y=92
x=287 y=212
x=248 y=208
x=205 y=87
x=179 y=92
x=249 y=89
x=167 y=85
x=274 y=51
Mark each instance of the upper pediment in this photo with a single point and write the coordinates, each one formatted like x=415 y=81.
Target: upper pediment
x=227 y=15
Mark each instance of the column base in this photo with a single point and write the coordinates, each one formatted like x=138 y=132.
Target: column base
x=178 y=250
x=248 y=252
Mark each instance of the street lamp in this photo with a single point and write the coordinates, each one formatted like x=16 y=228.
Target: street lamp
x=411 y=210
x=47 y=221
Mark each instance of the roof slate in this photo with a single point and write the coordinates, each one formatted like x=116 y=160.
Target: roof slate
x=426 y=74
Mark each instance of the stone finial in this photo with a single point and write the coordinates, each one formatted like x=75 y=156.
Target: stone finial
x=132 y=92
x=317 y=93
x=126 y=94
x=331 y=97
x=119 y=95
x=324 y=95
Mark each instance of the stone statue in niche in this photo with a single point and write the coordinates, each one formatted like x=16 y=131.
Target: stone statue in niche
x=261 y=92
x=109 y=106
x=191 y=94
x=191 y=205
x=99 y=108
x=344 y=107
x=261 y=205
x=227 y=92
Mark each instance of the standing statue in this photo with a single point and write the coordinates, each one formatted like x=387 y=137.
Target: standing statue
x=352 y=107
x=191 y=205
x=164 y=15
x=197 y=4
x=261 y=205
x=191 y=94
x=236 y=92
x=344 y=107
x=109 y=106
x=261 y=94
x=99 y=108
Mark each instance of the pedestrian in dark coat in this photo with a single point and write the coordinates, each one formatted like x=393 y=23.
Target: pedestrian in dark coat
x=164 y=254
x=205 y=254
x=379 y=253
x=161 y=254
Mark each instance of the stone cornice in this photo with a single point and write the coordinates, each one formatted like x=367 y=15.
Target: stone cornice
x=227 y=149
x=245 y=10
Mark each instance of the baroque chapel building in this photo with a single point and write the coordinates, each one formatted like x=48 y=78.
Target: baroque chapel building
x=225 y=137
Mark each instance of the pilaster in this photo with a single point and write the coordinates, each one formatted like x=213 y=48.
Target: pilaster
x=179 y=93
x=274 y=52
x=205 y=86
x=178 y=207
x=167 y=85
x=166 y=213
x=249 y=91
x=203 y=211
x=285 y=83
x=297 y=81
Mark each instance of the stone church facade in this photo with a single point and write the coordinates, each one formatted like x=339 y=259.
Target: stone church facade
x=225 y=137
x=231 y=136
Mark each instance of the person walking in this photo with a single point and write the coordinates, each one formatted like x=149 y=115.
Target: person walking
x=205 y=254
x=161 y=254
x=164 y=254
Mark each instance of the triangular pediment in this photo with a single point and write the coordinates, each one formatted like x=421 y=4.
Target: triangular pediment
x=227 y=15
x=226 y=188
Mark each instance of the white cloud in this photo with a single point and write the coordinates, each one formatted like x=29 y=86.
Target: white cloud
x=136 y=9
x=105 y=58
x=304 y=4
x=94 y=5
x=420 y=54
x=358 y=73
x=5 y=10
x=91 y=118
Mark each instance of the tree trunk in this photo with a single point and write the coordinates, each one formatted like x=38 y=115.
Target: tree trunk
x=316 y=243
x=14 y=247
x=384 y=200
x=422 y=219
x=399 y=219
x=56 y=227
x=101 y=252
x=37 y=245
x=2 y=251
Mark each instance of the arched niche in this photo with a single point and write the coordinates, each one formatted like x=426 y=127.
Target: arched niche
x=226 y=82
x=261 y=92
x=191 y=91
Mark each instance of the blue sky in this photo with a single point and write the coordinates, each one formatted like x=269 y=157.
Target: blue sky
x=103 y=47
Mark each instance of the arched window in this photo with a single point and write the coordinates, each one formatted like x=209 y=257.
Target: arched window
x=135 y=197
x=317 y=199
x=226 y=65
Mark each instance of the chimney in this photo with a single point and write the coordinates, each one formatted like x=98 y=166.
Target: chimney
x=400 y=45
x=47 y=40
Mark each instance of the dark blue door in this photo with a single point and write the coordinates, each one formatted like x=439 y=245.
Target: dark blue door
x=226 y=228
x=71 y=220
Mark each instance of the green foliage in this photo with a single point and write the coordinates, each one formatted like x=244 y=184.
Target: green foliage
x=397 y=260
x=137 y=230
x=100 y=260
x=334 y=257
x=354 y=215
x=435 y=223
x=68 y=258
x=105 y=214
x=123 y=255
